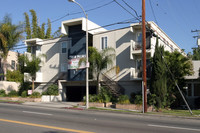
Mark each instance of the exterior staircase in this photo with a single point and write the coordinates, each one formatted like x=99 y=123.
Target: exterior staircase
x=114 y=87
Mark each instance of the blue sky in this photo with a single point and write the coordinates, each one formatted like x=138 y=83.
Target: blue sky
x=176 y=17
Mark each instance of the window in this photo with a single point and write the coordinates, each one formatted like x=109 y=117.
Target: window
x=38 y=48
x=104 y=42
x=64 y=47
x=138 y=64
x=139 y=37
x=189 y=91
x=64 y=67
x=196 y=89
x=13 y=64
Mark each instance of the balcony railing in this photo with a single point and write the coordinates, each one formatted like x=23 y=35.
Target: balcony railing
x=137 y=74
x=138 y=45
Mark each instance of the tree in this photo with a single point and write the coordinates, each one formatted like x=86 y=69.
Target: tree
x=36 y=31
x=28 y=26
x=196 y=53
x=158 y=82
x=43 y=31
x=58 y=33
x=15 y=76
x=48 y=33
x=179 y=66
x=34 y=24
x=10 y=35
x=99 y=61
x=32 y=66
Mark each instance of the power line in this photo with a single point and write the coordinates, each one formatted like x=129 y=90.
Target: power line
x=75 y=13
x=132 y=9
x=153 y=11
x=127 y=10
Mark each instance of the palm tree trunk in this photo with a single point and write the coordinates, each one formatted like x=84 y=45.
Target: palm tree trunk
x=98 y=83
x=33 y=85
x=5 y=68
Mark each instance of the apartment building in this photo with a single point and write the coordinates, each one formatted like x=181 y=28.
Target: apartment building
x=11 y=63
x=62 y=55
x=128 y=45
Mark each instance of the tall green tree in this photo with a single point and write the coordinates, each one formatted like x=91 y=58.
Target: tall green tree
x=43 y=31
x=99 y=61
x=36 y=31
x=28 y=26
x=179 y=66
x=158 y=83
x=196 y=53
x=34 y=24
x=48 y=33
x=10 y=35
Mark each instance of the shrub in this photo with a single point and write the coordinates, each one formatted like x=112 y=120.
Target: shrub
x=104 y=95
x=51 y=90
x=2 y=93
x=138 y=99
x=123 y=99
x=151 y=99
x=132 y=98
x=24 y=86
x=14 y=76
x=35 y=95
x=13 y=93
x=24 y=94
x=92 y=98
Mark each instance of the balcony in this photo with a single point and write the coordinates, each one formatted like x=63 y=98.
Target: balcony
x=136 y=74
x=136 y=49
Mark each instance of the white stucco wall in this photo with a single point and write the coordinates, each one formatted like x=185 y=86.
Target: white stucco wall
x=9 y=86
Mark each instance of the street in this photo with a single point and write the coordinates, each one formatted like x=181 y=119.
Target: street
x=31 y=119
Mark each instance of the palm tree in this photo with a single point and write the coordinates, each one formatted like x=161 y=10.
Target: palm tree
x=99 y=61
x=10 y=35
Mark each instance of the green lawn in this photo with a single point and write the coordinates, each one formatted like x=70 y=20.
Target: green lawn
x=196 y=113
x=185 y=113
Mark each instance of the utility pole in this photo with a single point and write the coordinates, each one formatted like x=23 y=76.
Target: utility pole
x=198 y=37
x=144 y=56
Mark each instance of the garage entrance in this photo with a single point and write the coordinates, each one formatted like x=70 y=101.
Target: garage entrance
x=76 y=93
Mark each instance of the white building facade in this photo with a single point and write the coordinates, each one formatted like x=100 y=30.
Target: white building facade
x=62 y=55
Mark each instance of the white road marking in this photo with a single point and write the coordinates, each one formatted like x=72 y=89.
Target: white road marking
x=180 y=128
x=38 y=113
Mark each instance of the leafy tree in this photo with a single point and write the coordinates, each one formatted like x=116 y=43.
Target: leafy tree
x=48 y=33
x=34 y=24
x=15 y=76
x=158 y=83
x=58 y=33
x=196 y=53
x=10 y=35
x=32 y=66
x=36 y=31
x=99 y=61
x=43 y=31
x=179 y=66
x=28 y=26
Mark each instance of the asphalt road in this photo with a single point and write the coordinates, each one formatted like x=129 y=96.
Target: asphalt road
x=30 y=119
